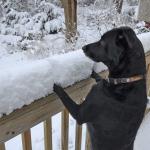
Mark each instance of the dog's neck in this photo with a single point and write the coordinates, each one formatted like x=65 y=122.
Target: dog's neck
x=128 y=67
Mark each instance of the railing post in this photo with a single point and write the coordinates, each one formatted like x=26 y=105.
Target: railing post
x=64 y=129
x=78 y=137
x=26 y=140
x=87 y=142
x=48 y=134
x=70 y=10
x=2 y=146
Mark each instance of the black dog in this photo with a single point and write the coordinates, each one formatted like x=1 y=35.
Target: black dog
x=114 y=108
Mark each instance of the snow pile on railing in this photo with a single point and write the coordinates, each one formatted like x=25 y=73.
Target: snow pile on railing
x=27 y=81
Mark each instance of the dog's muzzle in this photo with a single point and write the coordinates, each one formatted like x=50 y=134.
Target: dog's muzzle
x=84 y=48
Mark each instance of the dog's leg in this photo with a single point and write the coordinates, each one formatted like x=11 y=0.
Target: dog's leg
x=82 y=113
x=95 y=76
x=72 y=107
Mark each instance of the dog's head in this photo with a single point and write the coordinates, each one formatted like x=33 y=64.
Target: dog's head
x=113 y=46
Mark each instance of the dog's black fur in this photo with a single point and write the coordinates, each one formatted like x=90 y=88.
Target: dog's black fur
x=113 y=113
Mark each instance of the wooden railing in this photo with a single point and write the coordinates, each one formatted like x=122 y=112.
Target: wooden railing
x=21 y=120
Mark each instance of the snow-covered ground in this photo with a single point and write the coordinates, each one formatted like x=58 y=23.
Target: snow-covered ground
x=143 y=136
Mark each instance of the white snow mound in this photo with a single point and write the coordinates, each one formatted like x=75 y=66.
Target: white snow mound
x=25 y=82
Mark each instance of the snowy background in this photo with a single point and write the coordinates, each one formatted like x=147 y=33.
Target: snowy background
x=32 y=43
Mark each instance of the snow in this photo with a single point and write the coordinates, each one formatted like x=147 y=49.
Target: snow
x=23 y=23
x=53 y=25
x=143 y=136
x=31 y=80
x=5 y=42
x=145 y=38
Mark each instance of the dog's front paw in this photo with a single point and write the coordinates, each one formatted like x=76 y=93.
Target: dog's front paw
x=57 y=88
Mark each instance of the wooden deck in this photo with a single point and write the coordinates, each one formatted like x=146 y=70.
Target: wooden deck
x=21 y=120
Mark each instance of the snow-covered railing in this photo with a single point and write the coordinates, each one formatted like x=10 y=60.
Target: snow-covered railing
x=20 y=121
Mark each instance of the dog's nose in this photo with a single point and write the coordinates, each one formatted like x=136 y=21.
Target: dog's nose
x=84 y=48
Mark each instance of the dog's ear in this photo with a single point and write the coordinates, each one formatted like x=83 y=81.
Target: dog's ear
x=126 y=38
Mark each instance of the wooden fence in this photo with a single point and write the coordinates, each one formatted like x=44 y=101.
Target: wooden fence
x=21 y=120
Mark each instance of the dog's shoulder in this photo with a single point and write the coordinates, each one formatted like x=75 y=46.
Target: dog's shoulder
x=98 y=87
x=97 y=93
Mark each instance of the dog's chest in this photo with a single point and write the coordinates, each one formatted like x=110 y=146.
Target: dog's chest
x=109 y=121
x=113 y=121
